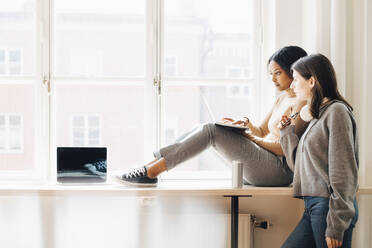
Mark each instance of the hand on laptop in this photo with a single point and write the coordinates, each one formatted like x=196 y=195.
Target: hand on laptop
x=241 y=122
x=227 y=120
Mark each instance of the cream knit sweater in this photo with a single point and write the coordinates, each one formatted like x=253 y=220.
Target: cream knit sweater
x=267 y=134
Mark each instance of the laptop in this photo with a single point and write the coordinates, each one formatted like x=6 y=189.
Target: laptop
x=81 y=164
x=220 y=123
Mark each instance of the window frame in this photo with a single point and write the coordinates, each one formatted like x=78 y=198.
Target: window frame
x=45 y=83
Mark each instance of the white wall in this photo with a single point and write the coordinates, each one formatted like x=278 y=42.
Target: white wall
x=113 y=219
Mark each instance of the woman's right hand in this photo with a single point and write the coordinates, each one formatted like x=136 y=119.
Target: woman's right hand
x=242 y=122
x=284 y=122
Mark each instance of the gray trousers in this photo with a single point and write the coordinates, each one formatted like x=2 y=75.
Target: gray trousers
x=260 y=167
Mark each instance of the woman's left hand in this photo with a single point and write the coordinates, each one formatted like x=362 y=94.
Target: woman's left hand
x=333 y=243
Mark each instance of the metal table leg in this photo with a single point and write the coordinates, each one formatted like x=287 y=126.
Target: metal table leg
x=234 y=221
x=235 y=218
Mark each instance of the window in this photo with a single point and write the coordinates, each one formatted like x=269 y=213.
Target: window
x=10 y=62
x=99 y=72
x=23 y=100
x=208 y=37
x=105 y=59
x=11 y=133
x=86 y=130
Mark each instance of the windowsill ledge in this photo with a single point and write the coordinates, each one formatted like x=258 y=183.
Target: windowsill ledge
x=165 y=187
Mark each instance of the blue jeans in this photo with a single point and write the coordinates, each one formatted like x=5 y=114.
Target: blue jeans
x=310 y=231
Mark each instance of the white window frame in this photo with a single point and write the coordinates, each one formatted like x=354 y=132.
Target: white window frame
x=86 y=128
x=45 y=152
x=7 y=149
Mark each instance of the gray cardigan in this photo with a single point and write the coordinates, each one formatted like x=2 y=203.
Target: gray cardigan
x=325 y=163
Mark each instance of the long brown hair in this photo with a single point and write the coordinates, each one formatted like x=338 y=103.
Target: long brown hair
x=320 y=68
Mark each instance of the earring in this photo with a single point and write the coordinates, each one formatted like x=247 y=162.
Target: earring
x=305 y=113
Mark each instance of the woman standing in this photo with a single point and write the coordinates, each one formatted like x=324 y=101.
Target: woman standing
x=324 y=160
x=259 y=150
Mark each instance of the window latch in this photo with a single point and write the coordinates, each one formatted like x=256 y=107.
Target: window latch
x=46 y=81
x=157 y=83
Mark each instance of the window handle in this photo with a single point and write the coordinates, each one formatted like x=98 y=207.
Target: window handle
x=157 y=83
x=46 y=81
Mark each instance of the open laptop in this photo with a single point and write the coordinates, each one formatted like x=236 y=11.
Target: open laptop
x=81 y=164
x=220 y=123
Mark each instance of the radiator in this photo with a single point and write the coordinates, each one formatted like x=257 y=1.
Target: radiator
x=246 y=231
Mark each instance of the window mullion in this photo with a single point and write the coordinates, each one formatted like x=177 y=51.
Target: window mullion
x=151 y=98
x=42 y=123
x=159 y=58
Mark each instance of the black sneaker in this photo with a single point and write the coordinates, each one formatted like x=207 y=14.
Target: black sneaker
x=98 y=168
x=138 y=177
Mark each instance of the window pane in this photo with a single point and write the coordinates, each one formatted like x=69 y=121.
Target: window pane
x=3 y=139
x=14 y=120
x=78 y=142
x=93 y=134
x=2 y=56
x=78 y=121
x=93 y=121
x=117 y=122
x=14 y=69
x=196 y=102
x=2 y=69
x=99 y=38
x=93 y=142
x=211 y=39
x=14 y=56
x=78 y=133
x=208 y=36
x=17 y=57
x=15 y=139
x=17 y=24
x=20 y=131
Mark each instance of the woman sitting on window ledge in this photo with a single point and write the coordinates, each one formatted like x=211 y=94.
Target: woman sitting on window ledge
x=259 y=149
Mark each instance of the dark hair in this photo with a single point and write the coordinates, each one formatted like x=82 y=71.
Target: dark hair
x=320 y=68
x=286 y=56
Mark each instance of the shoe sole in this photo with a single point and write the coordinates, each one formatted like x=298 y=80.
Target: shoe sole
x=135 y=184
